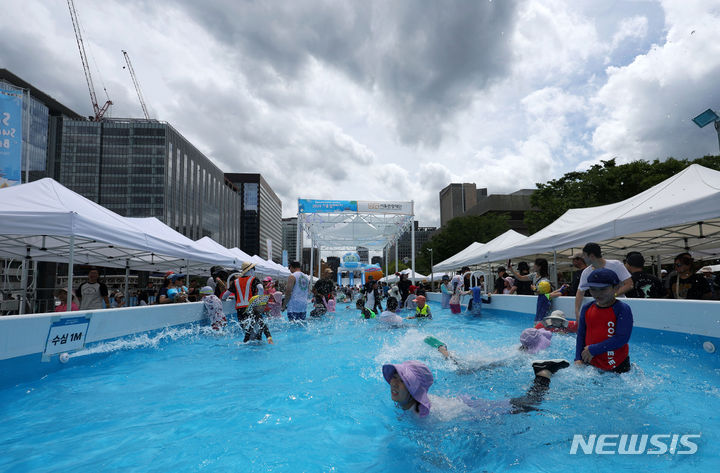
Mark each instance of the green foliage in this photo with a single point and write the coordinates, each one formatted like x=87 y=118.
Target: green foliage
x=457 y=235
x=602 y=184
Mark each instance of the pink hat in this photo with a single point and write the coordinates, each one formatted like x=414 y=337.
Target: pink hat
x=535 y=340
x=267 y=279
x=417 y=378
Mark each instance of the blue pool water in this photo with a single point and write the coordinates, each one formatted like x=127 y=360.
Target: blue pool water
x=189 y=400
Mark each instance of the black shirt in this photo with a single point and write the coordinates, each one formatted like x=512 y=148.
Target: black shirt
x=646 y=286
x=404 y=286
x=523 y=288
x=691 y=288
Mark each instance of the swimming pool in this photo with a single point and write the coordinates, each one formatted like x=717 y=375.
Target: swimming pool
x=184 y=399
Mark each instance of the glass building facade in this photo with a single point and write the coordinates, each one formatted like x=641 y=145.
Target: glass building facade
x=145 y=168
x=289 y=236
x=261 y=216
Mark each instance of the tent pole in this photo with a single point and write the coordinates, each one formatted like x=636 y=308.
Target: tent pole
x=658 y=268
x=386 y=263
x=127 y=282
x=298 y=240
x=71 y=263
x=23 y=280
x=312 y=254
x=396 y=256
x=555 y=271
x=319 y=262
x=412 y=242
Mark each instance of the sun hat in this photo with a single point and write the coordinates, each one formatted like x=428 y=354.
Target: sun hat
x=175 y=277
x=169 y=273
x=246 y=267
x=602 y=277
x=445 y=277
x=535 y=340
x=509 y=280
x=206 y=290
x=419 y=299
x=417 y=378
x=267 y=279
x=556 y=315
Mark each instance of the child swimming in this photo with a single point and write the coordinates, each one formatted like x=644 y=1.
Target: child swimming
x=422 y=310
x=411 y=380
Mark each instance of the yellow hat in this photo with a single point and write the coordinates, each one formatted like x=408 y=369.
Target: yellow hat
x=544 y=287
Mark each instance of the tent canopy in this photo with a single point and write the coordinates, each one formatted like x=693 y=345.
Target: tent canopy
x=480 y=254
x=452 y=262
x=46 y=221
x=679 y=214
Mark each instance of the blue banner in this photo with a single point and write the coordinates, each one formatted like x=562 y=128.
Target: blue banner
x=10 y=137
x=309 y=206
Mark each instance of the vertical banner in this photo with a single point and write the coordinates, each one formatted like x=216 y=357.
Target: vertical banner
x=269 y=249
x=10 y=137
x=285 y=258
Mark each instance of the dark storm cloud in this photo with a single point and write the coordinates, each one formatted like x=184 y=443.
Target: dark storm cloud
x=426 y=58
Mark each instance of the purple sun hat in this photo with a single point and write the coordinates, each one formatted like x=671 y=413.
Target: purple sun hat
x=417 y=379
x=535 y=340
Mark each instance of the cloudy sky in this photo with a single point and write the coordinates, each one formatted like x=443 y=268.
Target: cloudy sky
x=391 y=100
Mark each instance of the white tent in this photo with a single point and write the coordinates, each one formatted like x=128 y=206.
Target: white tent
x=679 y=214
x=452 y=263
x=393 y=278
x=482 y=255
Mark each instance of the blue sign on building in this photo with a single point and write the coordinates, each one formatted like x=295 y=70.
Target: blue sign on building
x=309 y=206
x=10 y=137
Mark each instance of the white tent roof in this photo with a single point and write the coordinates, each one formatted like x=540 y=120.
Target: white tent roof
x=350 y=230
x=680 y=213
x=45 y=217
x=392 y=278
x=452 y=262
x=482 y=254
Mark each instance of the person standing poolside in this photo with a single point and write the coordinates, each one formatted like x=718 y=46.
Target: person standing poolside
x=61 y=301
x=410 y=382
x=686 y=284
x=404 y=285
x=523 y=287
x=93 y=293
x=296 y=293
x=604 y=326
x=540 y=273
x=592 y=255
x=645 y=286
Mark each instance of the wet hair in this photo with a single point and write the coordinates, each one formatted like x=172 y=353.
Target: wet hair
x=392 y=304
x=295 y=264
x=592 y=249
x=542 y=263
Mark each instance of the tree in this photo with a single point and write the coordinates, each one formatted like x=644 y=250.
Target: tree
x=602 y=184
x=458 y=234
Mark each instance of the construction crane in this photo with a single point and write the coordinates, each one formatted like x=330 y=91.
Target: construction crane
x=99 y=111
x=135 y=82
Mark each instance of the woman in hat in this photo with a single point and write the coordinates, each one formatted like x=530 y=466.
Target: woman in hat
x=410 y=382
x=61 y=301
x=243 y=287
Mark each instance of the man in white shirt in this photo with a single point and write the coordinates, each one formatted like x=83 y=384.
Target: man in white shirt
x=592 y=255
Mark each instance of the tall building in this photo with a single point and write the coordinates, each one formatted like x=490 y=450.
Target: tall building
x=146 y=168
x=305 y=263
x=40 y=131
x=422 y=235
x=289 y=237
x=455 y=200
x=261 y=211
x=364 y=254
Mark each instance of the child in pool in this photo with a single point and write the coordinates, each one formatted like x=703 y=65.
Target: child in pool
x=364 y=311
x=212 y=308
x=476 y=301
x=389 y=317
x=422 y=310
x=253 y=323
x=275 y=304
x=410 y=382
x=329 y=303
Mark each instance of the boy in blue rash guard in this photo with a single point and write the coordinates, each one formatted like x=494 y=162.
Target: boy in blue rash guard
x=476 y=301
x=604 y=326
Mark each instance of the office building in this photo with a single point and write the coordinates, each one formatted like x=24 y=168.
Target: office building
x=455 y=200
x=364 y=254
x=261 y=212
x=41 y=114
x=146 y=168
x=289 y=238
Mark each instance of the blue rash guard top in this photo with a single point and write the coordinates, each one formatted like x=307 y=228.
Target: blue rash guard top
x=605 y=331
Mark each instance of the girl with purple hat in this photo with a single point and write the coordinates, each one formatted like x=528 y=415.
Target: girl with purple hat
x=410 y=382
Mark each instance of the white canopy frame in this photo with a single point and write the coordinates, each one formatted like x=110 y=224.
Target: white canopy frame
x=346 y=225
